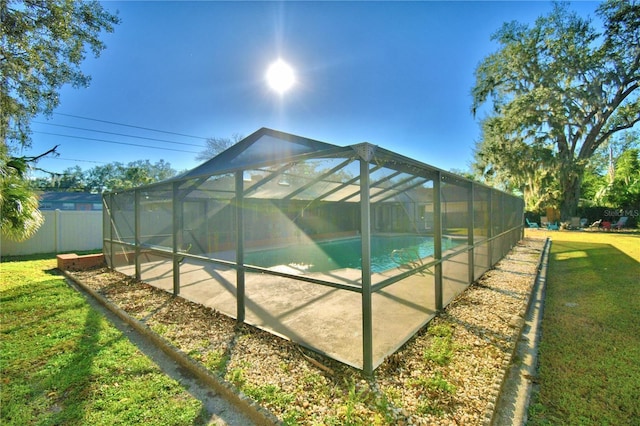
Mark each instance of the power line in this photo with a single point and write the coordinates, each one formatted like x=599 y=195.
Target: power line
x=118 y=134
x=75 y=159
x=114 y=142
x=129 y=125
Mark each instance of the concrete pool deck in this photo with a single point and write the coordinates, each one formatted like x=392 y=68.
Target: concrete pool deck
x=321 y=318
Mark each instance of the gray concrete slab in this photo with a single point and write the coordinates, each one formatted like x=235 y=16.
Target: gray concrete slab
x=325 y=319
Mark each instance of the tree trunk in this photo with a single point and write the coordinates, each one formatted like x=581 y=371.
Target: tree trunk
x=570 y=189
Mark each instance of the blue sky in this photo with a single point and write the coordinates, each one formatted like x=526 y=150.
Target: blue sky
x=395 y=74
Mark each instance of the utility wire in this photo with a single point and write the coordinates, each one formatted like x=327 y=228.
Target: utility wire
x=75 y=159
x=118 y=134
x=114 y=142
x=129 y=125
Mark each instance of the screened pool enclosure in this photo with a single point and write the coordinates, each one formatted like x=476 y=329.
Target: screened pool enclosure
x=347 y=251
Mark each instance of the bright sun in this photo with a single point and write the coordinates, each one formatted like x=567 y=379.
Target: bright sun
x=280 y=76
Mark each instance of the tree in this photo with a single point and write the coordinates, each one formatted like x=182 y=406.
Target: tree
x=19 y=214
x=103 y=178
x=142 y=172
x=216 y=145
x=116 y=175
x=605 y=166
x=559 y=90
x=43 y=44
x=625 y=188
x=505 y=163
x=71 y=180
x=620 y=188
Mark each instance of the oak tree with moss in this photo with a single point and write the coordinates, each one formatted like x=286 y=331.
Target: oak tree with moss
x=559 y=89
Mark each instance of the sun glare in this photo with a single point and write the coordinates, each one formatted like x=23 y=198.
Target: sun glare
x=280 y=76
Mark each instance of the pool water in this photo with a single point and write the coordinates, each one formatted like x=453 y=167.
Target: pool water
x=386 y=253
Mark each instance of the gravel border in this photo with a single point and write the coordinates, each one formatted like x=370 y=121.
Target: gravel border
x=520 y=378
x=451 y=372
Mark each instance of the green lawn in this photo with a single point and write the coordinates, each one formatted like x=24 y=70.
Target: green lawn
x=61 y=362
x=589 y=363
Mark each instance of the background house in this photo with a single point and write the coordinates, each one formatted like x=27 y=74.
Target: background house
x=70 y=201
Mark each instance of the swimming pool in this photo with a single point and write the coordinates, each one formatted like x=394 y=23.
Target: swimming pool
x=387 y=252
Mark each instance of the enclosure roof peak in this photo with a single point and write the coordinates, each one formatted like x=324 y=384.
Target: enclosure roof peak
x=365 y=150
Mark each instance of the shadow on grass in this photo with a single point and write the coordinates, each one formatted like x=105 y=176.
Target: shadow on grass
x=63 y=363
x=590 y=349
x=51 y=341
x=44 y=256
x=212 y=405
x=599 y=275
x=75 y=377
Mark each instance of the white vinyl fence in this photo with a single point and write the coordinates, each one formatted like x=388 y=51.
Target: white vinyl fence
x=63 y=231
